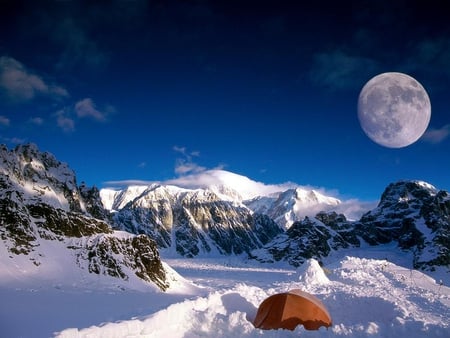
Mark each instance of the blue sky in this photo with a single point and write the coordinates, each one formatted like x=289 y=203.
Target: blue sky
x=150 y=91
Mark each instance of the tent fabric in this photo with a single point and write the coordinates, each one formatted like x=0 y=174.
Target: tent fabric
x=288 y=309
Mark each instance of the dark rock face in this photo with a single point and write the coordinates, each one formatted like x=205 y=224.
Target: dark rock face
x=40 y=202
x=93 y=202
x=417 y=216
x=108 y=255
x=412 y=213
x=310 y=238
x=195 y=222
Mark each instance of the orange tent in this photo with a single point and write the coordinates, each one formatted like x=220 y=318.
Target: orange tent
x=289 y=309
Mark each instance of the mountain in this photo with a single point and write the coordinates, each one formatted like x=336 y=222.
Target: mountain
x=41 y=206
x=292 y=205
x=212 y=212
x=413 y=214
x=417 y=216
x=119 y=233
x=192 y=222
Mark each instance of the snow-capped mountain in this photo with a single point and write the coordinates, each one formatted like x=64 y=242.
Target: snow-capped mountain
x=214 y=211
x=417 y=216
x=413 y=214
x=41 y=206
x=192 y=222
x=40 y=201
x=228 y=184
x=292 y=205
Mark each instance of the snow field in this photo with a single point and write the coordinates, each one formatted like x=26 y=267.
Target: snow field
x=365 y=297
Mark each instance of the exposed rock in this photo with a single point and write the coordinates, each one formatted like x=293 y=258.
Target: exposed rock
x=195 y=221
x=40 y=202
x=413 y=214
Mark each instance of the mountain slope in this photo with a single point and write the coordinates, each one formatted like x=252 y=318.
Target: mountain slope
x=193 y=222
x=41 y=203
x=292 y=205
x=211 y=212
x=413 y=214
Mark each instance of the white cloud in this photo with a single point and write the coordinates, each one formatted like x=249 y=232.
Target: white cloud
x=185 y=165
x=184 y=152
x=4 y=121
x=353 y=209
x=87 y=108
x=437 y=135
x=14 y=140
x=178 y=149
x=65 y=122
x=19 y=84
x=127 y=183
x=246 y=187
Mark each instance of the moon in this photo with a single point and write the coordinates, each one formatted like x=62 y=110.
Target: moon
x=394 y=109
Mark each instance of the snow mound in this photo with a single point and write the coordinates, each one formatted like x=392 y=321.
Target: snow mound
x=311 y=273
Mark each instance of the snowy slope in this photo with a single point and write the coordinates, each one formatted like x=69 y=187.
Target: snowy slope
x=42 y=209
x=366 y=294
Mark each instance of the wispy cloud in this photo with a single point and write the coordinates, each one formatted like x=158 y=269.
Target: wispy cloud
x=184 y=152
x=37 y=121
x=183 y=167
x=78 y=48
x=338 y=70
x=4 y=121
x=437 y=135
x=19 y=84
x=431 y=56
x=186 y=165
x=67 y=117
x=64 y=121
x=87 y=108
x=13 y=140
x=126 y=183
x=353 y=209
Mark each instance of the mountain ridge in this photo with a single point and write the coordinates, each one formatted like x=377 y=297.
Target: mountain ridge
x=40 y=201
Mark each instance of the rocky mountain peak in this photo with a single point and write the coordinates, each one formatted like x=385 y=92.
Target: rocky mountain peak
x=413 y=214
x=404 y=191
x=41 y=202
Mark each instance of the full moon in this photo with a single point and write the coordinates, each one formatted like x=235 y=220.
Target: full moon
x=394 y=109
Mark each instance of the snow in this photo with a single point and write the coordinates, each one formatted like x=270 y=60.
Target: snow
x=298 y=201
x=369 y=292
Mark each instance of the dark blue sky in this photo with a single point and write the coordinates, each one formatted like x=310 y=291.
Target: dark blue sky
x=145 y=90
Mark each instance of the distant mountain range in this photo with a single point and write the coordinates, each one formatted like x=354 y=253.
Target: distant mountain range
x=113 y=232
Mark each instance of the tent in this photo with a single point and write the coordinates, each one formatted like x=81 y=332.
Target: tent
x=289 y=309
